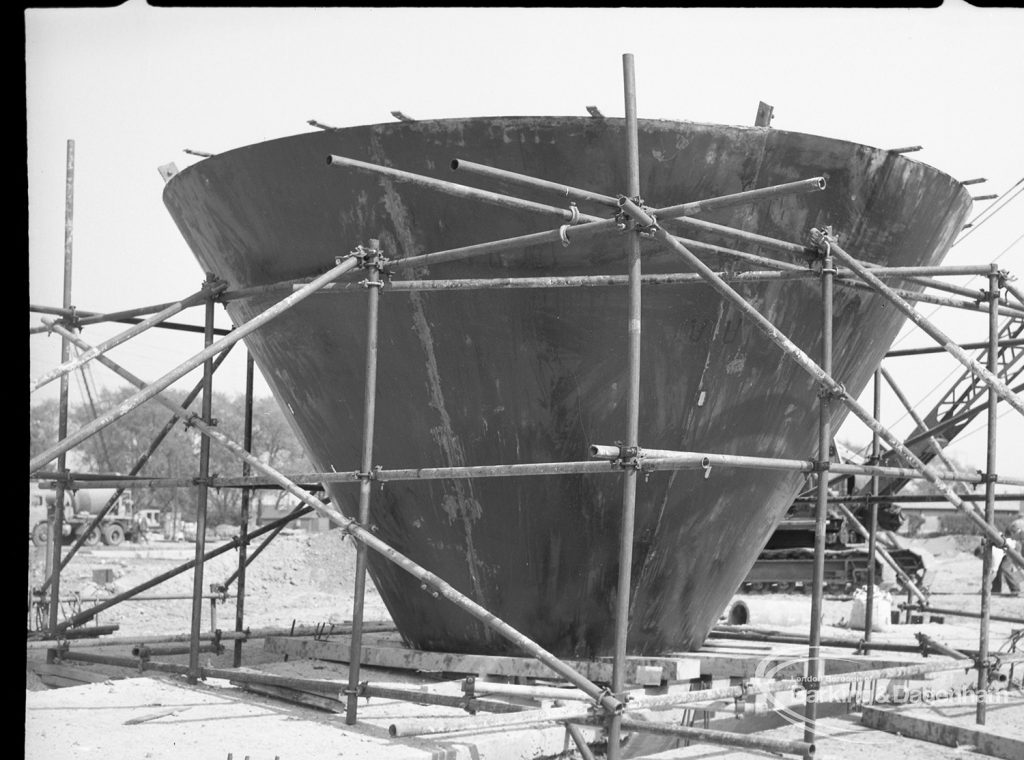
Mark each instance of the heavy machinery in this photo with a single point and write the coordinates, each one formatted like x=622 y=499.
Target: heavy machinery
x=787 y=561
x=80 y=508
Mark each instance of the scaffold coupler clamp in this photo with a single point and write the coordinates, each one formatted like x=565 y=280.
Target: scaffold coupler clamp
x=629 y=457
x=597 y=707
x=822 y=239
x=214 y=287
x=831 y=392
x=810 y=683
x=574 y=219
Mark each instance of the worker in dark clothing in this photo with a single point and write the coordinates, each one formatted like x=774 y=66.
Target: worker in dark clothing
x=1009 y=573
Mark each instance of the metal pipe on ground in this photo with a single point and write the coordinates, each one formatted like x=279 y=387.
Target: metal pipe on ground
x=960 y=613
x=470 y=704
x=802 y=749
x=754 y=611
x=145 y=651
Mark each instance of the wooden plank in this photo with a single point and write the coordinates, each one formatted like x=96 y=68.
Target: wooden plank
x=58 y=682
x=915 y=725
x=336 y=649
x=69 y=673
x=739 y=665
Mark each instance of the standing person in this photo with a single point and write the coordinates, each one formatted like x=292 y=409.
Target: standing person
x=141 y=527
x=1008 y=572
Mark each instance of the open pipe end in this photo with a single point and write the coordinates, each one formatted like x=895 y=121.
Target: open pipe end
x=705 y=462
x=820 y=183
x=809 y=752
x=454 y=164
x=392 y=730
x=333 y=160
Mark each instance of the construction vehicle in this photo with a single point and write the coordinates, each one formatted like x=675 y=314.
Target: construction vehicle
x=787 y=561
x=80 y=508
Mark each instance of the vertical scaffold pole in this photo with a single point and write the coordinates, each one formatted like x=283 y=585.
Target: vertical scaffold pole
x=876 y=453
x=371 y=261
x=202 y=500
x=990 y=496
x=56 y=526
x=243 y=520
x=632 y=413
x=814 y=664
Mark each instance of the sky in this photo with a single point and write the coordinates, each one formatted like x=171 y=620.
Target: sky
x=135 y=86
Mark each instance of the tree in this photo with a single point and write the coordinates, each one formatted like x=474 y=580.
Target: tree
x=119 y=446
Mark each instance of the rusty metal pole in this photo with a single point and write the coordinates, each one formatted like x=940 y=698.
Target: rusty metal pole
x=632 y=414
x=990 y=492
x=815 y=668
x=56 y=525
x=202 y=498
x=876 y=452
x=372 y=263
x=243 y=528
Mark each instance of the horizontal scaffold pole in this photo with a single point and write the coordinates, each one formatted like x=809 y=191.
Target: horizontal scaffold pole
x=805 y=253
x=965 y=346
x=679 y=278
x=126 y=406
x=826 y=381
x=131 y=332
x=364 y=535
x=658 y=458
x=1001 y=389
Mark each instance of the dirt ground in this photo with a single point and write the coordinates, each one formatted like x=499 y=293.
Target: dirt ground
x=300 y=577
x=305 y=579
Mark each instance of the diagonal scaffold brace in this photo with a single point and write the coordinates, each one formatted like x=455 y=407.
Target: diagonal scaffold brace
x=364 y=535
x=827 y=381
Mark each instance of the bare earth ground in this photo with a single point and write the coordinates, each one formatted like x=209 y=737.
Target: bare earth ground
x=301 y=577
x=305 y=579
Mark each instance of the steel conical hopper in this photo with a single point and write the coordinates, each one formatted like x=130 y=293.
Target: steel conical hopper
x=516 y=375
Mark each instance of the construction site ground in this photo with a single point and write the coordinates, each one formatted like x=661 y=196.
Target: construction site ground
x=304 y=579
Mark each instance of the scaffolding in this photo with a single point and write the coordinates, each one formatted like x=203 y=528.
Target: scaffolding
x=607 y=706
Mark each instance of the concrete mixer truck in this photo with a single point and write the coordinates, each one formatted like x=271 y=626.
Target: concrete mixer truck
x=80 y=508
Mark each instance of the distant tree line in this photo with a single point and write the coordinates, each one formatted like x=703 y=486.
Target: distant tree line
x=118 y=447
